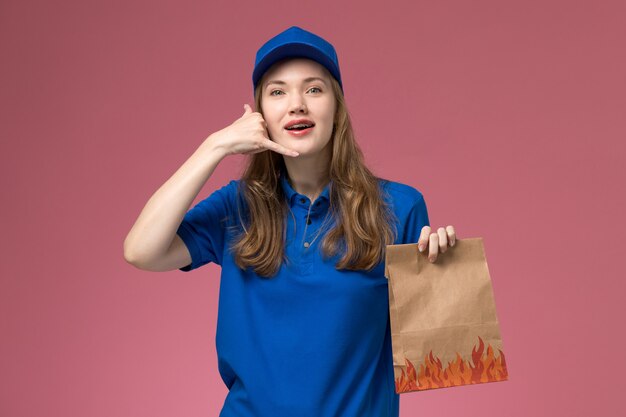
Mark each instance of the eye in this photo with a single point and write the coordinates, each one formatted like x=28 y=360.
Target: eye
x=274 y=91
x=315 y=88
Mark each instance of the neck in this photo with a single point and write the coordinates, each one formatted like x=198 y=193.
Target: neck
x=308 y=175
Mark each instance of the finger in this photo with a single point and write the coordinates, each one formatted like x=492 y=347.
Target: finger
x=263 y=143
x=451 y=235
x=271 y=145
x=434 y=247
x=261 y=119
x=443 y=239
x=247 y=109
x=423 y=239
x=266 y=132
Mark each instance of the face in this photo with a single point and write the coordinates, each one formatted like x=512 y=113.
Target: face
x=299 y=89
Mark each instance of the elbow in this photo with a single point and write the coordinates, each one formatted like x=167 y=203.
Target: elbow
x=139 y=260
x=131 y=256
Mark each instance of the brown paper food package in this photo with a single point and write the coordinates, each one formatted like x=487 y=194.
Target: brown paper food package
x=444 y=329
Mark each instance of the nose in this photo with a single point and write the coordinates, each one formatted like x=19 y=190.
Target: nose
x=297 y=105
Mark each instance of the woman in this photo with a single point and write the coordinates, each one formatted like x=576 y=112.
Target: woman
x=303 y=323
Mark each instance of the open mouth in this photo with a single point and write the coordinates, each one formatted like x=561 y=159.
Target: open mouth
x=300 y=126
x=301 y=131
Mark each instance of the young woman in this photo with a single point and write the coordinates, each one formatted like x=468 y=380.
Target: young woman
x=303 y=322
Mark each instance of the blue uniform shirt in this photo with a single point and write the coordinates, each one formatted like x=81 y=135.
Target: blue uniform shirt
x=312 y=341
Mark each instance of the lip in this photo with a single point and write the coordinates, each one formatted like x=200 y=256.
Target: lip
x=300 y=132
x=297 y=121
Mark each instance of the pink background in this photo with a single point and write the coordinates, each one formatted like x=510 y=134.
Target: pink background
x=508 y=116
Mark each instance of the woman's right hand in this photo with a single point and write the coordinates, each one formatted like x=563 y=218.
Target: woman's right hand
x=248 y=135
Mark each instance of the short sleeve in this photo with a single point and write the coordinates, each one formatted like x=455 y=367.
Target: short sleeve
x=416 y=219
x=203 y=227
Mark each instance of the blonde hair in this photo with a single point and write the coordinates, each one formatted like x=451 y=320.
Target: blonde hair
x=364 y=223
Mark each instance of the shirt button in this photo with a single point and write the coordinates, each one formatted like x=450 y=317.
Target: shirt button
x=302 y=200
x=306 y=244
x=308 y=221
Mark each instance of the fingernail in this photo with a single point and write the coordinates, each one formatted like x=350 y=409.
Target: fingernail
x=452 y=242
x=431 y=259
x=421 y=248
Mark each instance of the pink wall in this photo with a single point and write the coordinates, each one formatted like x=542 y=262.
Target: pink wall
x=508 y=116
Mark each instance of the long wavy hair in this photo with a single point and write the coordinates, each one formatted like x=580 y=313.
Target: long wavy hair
x=363 y=222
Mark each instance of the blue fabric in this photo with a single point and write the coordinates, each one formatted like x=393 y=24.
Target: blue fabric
x=296 y=42
x=312 y=340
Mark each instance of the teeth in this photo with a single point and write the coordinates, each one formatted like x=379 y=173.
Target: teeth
x=298 y=125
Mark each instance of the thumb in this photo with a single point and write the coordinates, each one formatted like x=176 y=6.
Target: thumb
x=247 y=109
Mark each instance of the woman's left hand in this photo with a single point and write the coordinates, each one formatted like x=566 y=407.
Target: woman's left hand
x=436 y=241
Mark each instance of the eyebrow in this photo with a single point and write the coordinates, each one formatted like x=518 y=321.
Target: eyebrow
x=306 y=80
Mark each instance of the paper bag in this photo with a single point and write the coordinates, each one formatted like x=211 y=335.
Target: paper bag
x=444 y=329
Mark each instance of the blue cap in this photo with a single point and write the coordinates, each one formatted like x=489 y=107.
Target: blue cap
x=296 y=42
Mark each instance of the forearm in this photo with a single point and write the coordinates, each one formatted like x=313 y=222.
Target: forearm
x=155 y=228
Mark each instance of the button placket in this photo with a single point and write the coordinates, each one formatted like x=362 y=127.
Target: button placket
x=305 y=234
x=305 y=238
